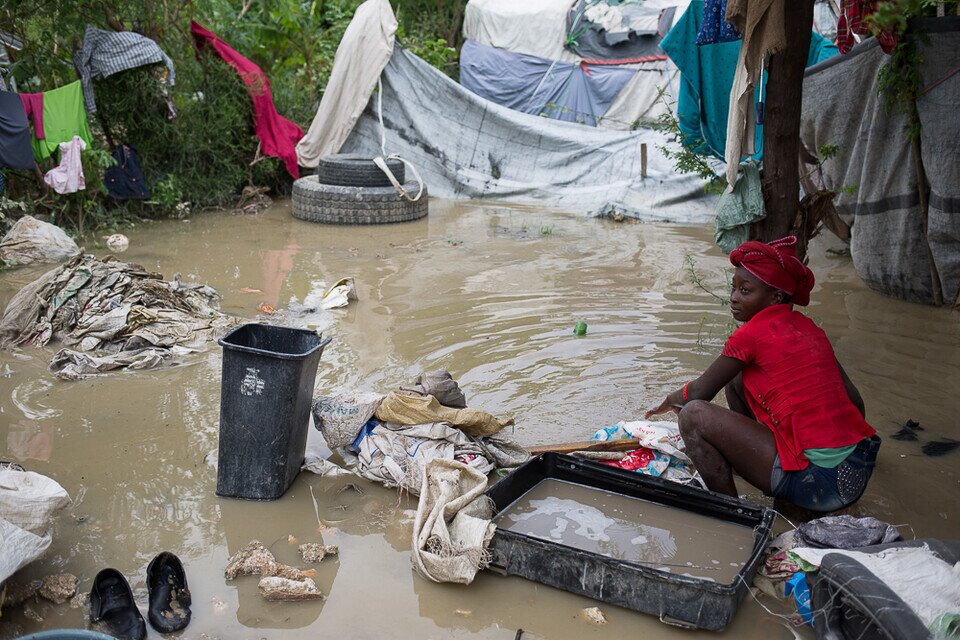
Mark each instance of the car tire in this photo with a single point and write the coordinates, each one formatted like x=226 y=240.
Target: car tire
x=354 y=170
x=334 y=204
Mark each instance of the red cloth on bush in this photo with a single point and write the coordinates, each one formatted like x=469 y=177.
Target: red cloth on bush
x=278 y=136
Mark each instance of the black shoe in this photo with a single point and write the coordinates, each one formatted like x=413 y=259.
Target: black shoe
x=169 y=595
x=113 y=609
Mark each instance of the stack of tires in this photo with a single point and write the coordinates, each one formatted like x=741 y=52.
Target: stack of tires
x=351 y=189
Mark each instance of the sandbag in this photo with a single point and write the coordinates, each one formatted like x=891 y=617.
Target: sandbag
x=32 y=241
x=411 y=409
x=453 y=526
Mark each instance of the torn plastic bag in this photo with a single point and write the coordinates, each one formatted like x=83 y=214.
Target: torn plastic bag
x=32 y=241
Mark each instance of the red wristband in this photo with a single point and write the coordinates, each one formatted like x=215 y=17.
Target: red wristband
x=685 y=398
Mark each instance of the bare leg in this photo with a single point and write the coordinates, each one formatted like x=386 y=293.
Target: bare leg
x=720 y=441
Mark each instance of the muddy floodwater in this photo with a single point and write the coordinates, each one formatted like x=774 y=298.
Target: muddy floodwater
x=630 y=529
x=492 y=294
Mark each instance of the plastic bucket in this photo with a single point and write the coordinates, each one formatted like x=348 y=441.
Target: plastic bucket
x=265 y=391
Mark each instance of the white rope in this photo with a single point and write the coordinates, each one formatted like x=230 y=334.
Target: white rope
x=381 y=160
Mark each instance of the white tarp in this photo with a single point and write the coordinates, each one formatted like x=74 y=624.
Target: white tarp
x=364 y=50
x=466 y=147
x=534 y=27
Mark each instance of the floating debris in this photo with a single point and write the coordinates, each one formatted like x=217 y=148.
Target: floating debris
x=275 y=588
x=313 y=552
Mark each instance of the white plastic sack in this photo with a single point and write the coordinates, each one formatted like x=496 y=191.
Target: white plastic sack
x=340 y=417
x=32 y=241
x=453 y=527
x=398 y=456
x=18 y=548
x=28 y=502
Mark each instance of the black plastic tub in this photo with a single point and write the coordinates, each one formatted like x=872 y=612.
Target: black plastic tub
x=265 y=392
x=675 y=599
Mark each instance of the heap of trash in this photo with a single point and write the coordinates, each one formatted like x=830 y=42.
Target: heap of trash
x=390 y=438
x=111 y=315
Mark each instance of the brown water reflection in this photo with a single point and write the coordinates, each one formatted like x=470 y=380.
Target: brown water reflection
x=491 y=293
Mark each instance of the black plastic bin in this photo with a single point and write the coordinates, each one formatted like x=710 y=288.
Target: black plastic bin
x=675 y=599
x=265 y=392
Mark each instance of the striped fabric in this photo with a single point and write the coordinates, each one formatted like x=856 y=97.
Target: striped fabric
x=105 y=53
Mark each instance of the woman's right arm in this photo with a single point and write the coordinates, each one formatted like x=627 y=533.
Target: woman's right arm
x=852 y=392
x=720 y=372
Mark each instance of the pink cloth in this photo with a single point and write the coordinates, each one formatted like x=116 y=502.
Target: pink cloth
x=67 y=177
x=278 y=136
x=33 y=106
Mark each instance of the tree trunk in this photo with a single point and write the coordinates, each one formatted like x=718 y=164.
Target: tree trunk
x=781 y=127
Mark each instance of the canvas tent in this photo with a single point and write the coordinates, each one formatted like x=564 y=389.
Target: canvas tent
x=465 y=146
x=874 y=168
x=586 y=61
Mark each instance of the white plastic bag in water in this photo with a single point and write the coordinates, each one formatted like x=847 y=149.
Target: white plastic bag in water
x=31 y=241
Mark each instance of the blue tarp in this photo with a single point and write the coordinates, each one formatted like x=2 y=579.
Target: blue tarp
x=541 y=87
x=706 y=79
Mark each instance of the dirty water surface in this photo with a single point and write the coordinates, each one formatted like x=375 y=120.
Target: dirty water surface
x=630 y=529
x=491 y=293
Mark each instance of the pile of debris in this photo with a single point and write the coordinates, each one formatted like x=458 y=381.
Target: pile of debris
x=279 y=581
x=390 y=439
x=111 y=315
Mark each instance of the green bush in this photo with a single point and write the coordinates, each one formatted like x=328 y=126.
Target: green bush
x=201 y=155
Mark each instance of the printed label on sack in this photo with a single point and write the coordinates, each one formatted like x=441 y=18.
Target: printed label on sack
x=252 y=383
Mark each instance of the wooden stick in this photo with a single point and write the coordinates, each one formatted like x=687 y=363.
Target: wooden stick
x=625 y=444
x=643 y=160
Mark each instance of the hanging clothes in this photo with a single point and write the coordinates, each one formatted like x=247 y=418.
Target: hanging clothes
x=15 y=150
x=33 y=107
x=852 y=22
x=762 y=23
x=67 y=177
x=124 y=180
x=105 y=53
x=715 y=29
x=63 y=118
x=278 y=136
x=707 y=73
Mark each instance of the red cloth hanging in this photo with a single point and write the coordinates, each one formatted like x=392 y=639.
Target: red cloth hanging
x=33 y=107
x=278 y=136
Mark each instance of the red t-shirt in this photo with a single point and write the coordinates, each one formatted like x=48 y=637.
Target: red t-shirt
x=792 y=383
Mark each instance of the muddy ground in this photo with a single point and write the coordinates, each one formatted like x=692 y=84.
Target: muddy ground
x=492 y=294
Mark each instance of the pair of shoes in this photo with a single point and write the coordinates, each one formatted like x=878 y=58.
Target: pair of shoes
x=113 y=608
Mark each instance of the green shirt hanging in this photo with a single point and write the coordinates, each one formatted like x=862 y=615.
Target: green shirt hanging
x=63 y=118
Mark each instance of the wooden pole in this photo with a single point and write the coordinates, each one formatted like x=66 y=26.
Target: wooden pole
x=643 y=160
x=781 y=128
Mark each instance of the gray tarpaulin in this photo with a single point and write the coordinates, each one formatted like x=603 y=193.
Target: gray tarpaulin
x=842 y=106
x=467 y=147
x=541 y=87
